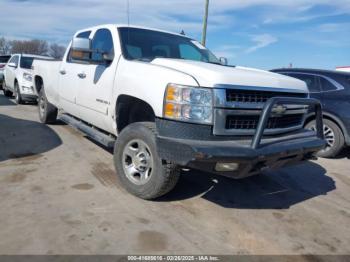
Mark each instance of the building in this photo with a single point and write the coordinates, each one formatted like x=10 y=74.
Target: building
x=343 y=68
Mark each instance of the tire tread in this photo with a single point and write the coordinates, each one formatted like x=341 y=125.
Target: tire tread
x=170 y=173
x=50 y=116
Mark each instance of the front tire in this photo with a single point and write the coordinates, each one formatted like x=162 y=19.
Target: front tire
x=333 y=135
x=18 y=96
x=7 y=93
x=138 y=166
x=47 y=111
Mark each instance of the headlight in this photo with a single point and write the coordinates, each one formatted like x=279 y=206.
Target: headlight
x=189 y=104
x=28 y=77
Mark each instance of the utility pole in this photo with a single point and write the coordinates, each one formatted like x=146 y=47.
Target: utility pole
x=205 y=22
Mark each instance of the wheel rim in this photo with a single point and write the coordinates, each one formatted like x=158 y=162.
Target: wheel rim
x=137 y=162
x=328 y=136
x=42 y=106
x=16 y=94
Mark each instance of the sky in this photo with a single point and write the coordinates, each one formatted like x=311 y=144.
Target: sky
x=263 y=34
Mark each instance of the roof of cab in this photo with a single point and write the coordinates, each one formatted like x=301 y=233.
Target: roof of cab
x=35 y=56
x=110 y=26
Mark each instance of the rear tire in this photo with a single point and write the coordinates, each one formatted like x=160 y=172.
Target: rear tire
x=7 y=93
x=47 y=111
x=18 y=96
x=333 y=135
x=139 y=168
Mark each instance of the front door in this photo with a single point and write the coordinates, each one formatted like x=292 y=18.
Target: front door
x=96 y=81
x=70 y=79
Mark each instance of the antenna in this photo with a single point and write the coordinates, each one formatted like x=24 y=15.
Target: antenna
x=128 y=14
x=205 y=23
x=128 y=11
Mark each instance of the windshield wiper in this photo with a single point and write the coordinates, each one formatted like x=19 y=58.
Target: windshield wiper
x=215 y=63
x=143 y=59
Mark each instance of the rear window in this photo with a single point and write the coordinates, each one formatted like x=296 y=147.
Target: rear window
x=311 y=81
x=26 y=62
x=4 y=59
x=343 y=79
x=327 y=86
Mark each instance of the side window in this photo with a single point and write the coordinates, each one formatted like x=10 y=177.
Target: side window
x=326 y=85
x=85 y=34
x=311 y=81
x=134 y=52
x=83 y=55
x=102 y=43
x=15 y=60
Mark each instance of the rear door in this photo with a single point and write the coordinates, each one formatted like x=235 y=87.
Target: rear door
x=312 y=82
x=335 y=98
x=96 y=81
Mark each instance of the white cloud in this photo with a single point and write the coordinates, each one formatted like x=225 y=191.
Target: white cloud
x=228 y=51
x=333 y=27
x=261 y=41
x=57 y=20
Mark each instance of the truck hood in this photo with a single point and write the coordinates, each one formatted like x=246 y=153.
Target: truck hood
x=211 y=75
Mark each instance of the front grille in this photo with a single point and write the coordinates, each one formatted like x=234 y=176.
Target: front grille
x=251 y=96
x=251 y=121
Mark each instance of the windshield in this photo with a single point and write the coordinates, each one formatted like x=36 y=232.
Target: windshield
x=4 y=59
x=26 y=62
x=146 y=45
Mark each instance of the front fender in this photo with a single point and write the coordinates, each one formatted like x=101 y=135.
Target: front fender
x=148 y=82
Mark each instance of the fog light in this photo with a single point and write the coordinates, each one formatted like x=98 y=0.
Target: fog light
x=225 y=167
x=26 y=89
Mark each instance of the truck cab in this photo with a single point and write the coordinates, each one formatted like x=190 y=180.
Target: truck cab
x=165 y=102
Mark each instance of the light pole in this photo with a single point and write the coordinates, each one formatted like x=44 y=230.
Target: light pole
x=205 y=22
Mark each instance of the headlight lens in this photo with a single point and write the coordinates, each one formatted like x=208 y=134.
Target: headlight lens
x=189 y=104
x=28 y=77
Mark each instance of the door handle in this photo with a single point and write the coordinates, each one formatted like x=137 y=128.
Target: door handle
x=82 y=75
x=63 y=72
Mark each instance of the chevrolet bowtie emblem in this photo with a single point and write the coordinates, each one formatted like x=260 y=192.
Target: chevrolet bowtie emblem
x=279 y=110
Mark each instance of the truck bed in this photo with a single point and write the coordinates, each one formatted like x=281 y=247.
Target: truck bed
x=47 y=71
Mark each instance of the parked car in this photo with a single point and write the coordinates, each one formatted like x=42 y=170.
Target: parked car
x=173 y=104
x=18 y=78
x=332 y=88
x=3 y=60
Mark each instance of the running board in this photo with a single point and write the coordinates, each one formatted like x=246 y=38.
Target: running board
x=93 y=133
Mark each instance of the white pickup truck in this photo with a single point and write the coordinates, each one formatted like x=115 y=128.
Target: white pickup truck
x=165 y=102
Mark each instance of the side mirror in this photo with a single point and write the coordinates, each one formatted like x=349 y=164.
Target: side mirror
x=12 y=65
x=81 y=49
x=108 y=57
x=224 y=61
x=81 y=44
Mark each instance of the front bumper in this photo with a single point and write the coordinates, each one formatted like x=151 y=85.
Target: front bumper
x=29 y=97
x=204 y=155
x=194 y=146
x=28 y=92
